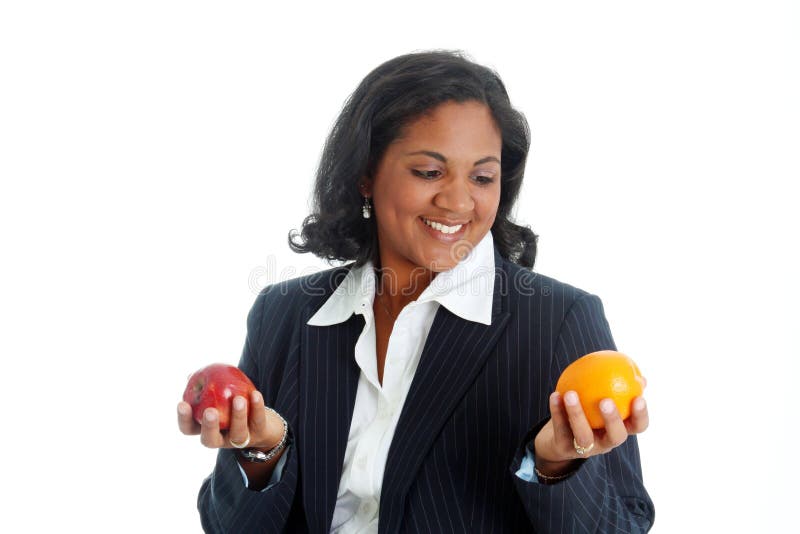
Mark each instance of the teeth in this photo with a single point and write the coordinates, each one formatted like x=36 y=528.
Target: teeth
x=442 y=228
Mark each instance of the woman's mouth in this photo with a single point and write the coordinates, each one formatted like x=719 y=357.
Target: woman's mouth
x=443 y=232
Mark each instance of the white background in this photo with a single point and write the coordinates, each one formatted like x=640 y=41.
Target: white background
x=154 y=156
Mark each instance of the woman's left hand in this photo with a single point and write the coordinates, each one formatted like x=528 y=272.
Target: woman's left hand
x=554 y=448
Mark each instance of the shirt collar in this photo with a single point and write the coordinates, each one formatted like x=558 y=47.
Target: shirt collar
x=466 y=290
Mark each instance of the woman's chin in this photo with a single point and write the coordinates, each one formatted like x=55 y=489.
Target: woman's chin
x=441 y=263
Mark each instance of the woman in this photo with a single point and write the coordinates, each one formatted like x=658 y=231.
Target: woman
x=410 y=390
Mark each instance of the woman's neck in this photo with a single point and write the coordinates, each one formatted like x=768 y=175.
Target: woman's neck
x=401 y=283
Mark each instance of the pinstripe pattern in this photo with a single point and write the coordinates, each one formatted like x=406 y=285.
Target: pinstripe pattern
x=478 y=397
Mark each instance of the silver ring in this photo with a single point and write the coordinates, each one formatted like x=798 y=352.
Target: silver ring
x=240 y=445
x=581 y=450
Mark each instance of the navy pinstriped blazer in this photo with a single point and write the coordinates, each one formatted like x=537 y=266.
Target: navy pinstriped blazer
x=479 y=396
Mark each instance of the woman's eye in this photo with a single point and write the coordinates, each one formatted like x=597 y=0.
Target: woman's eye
x=433 y=174
x=427 y=174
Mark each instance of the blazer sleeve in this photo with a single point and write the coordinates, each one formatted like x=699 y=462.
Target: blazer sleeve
x=606 y=493
x=224 y=503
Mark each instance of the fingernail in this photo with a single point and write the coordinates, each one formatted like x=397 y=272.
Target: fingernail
x=555 y=398
x=606 y=406
x=639 y=404
x=571 y=398
x=210 y=416
x=183 y=410
x=238 y=403
x=255 y=397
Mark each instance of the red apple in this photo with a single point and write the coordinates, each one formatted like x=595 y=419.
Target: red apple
x=215 y=386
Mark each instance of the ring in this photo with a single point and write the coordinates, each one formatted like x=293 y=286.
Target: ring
x=240 y=445
x=581 y=450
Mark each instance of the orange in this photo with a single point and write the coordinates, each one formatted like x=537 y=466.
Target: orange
x=600 y=375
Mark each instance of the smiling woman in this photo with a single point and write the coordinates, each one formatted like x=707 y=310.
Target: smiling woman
x=413 y=388
x=379 y=115
x=438 y=183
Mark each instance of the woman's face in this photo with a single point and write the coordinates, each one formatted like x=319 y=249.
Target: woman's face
x=444 y=169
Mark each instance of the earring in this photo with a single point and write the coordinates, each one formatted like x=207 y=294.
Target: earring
x=366 y=209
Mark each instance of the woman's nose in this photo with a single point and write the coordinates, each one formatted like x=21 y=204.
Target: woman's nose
x=455 y=196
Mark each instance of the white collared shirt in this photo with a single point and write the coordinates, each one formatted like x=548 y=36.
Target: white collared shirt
x=465 y=290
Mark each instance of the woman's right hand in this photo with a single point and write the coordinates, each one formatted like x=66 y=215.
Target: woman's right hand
x=264 y=427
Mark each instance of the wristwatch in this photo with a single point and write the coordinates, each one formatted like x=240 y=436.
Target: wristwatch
x=258 y=456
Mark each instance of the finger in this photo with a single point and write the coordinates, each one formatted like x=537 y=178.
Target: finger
x=639 y=419
x=558 y=413
x=616 y=433
x=258 y=416
x=239 y=432
x=186 y=421
x=581 y=431
x=209 y=430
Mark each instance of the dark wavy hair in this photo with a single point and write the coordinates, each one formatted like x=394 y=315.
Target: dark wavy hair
x=393 y=95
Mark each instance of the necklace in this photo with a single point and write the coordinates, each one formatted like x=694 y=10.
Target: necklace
x=385 y=308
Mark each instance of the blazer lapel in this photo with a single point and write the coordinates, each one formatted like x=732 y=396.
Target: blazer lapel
x=328 y=384
x=454 y=353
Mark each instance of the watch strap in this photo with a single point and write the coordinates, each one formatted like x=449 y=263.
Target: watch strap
x=259 y=456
